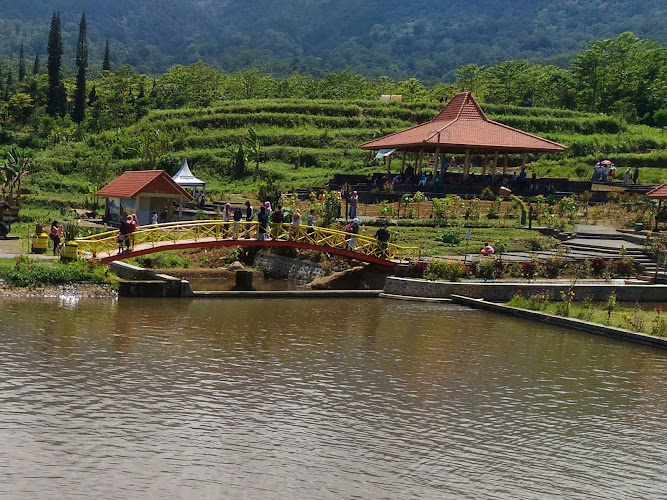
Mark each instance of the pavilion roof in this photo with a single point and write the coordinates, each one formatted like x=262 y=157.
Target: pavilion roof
x=462 y=125
x=133 y=182
x=659 y=193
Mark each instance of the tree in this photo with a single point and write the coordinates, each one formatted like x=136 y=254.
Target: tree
x=81 y=63
x=35 y=66
x=56 y=96
x=106 y=63
x=20 y=105
x=21 y=63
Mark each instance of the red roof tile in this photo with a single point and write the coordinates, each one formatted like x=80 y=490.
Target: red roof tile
x=658 y=193
x=129 y=184
x=463 y=125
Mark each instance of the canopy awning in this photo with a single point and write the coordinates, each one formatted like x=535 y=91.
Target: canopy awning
x=184 y=177
x=383 y=153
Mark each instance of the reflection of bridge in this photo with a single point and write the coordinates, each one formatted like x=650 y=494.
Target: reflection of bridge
x=211 y=233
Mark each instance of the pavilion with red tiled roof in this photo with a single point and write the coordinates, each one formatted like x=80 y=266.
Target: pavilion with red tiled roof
x=462 y=127
x=143 y=192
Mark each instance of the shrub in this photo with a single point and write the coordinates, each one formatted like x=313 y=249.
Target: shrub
x=485 y=269
x=528 y=269
x=599 y=265
x=624 y=268
x=448 y=270
x=487 y=194
x=417 y=269
x=553 y=266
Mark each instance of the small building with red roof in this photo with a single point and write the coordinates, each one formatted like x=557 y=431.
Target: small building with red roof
x=462 y=127
x=143 y=192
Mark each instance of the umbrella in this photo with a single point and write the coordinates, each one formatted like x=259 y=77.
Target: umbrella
x=606 y=162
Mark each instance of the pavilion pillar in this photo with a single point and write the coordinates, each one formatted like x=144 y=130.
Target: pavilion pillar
x=180 y=208
x=485 y=164
x=466 y=165
x=403 y=162
x=505 y=164
x=437 y=162
x=524 y=158
x=389 y=165
x=420 y=158
x=416 y=167
x=495 y=164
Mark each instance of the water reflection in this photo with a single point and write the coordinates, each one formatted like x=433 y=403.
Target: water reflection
x=320 y=399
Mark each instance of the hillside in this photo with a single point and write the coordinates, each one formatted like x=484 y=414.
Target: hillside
x=304 y=142
x=391 y=37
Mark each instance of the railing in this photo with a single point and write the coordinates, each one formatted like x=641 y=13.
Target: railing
x=106 y=244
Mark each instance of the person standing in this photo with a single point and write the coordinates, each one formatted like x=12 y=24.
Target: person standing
x=635 y=175
x=627 y=176
x=238 y=216
x=353 y=229
x=354 y=201
x=249 y=212
x=56 y=233
x=277 y=219
x=263 y=220
x=296 y=222
x=226 y=217
x=154 y=218
x=382 y=235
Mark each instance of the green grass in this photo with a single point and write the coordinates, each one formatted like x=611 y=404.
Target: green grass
x=425 y=238
x=326 y=135
x=623 y=316
x=26 y=272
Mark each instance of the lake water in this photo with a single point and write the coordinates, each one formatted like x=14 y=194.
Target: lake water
x=313 y=398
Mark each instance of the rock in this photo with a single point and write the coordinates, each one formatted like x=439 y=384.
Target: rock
x=236 y=266
x=343 y=280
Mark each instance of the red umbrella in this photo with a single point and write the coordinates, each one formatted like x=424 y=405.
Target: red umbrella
x=606 y=162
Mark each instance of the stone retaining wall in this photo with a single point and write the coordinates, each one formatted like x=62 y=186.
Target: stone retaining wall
x=280 y=267
x=502 y=292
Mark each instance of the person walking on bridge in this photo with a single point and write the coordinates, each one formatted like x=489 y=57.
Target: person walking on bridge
x=383 y=236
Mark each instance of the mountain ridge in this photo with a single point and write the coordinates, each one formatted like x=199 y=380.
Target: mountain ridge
x=391 y=37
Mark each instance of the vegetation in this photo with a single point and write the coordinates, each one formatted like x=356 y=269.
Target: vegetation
x=633 y=318
x=29 y=273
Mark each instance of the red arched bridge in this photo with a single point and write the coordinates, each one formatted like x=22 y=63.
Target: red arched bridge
x=105 y=247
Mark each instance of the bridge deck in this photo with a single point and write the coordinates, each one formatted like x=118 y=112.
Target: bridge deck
x=201 y=234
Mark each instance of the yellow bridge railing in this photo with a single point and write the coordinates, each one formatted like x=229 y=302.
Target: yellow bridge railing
x=106 y=244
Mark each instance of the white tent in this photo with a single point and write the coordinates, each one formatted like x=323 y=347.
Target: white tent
x=185 y=178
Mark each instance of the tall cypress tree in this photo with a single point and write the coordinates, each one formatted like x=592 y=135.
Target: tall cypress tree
x=55 y=96
x=81 y=64
x=106 y=64
x=35 y=66
x=21 y=64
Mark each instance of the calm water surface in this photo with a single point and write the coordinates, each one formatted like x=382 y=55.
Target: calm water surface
x=320 y=399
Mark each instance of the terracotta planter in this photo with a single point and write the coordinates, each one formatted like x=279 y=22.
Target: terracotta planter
x=40 y=243
x=70 y=250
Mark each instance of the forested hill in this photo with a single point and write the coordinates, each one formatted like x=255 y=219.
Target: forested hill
x=397 y=38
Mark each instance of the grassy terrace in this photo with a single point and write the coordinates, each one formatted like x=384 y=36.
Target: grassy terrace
x=304 y=142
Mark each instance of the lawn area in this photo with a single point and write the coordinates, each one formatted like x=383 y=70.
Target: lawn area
x=631 y=317
x=514 y=239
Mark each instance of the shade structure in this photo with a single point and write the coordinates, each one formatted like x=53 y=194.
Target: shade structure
x=463 y=127
x=184 y=177
x=659 y=193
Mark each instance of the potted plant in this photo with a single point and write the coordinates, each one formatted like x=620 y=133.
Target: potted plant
x=40 y=240
x=71 y=248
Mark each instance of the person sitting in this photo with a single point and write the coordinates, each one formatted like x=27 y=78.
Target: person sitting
x=422 y=180
x=487 y=250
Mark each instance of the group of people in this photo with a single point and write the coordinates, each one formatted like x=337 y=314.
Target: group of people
x=266 y=216
x=125 y=236
x=604 y=171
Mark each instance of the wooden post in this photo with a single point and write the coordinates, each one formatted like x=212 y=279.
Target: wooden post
x=421 y=160
x=437 y=161
x=389 y=165
x=524 y=158
x=505 y=164
x=466 y=165
x=403 y=162
x=485 y=164
x=495 y=164
x=416 y=169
